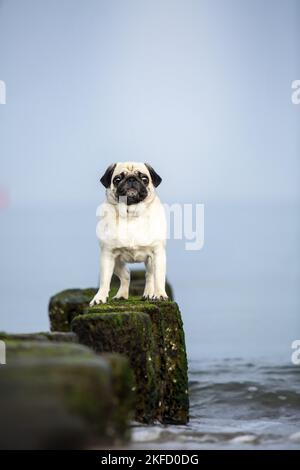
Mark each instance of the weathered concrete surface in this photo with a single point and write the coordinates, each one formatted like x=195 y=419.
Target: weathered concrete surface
x=66 y=305
x=57 y=336
x=129 y=333
x=151 y=335
x=62 y=395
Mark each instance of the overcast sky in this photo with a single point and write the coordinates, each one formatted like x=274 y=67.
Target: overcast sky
x=199 y=88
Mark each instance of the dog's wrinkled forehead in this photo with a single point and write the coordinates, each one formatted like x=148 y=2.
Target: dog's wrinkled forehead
x=130 y=168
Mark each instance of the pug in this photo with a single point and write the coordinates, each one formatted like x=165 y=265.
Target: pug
x=131 y=229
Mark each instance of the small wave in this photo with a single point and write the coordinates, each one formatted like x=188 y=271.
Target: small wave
x=233 y=392
x=245 y=439
x=178 y=435
x=295 y=437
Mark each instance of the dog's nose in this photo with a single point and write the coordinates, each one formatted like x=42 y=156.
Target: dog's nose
x=131 y=179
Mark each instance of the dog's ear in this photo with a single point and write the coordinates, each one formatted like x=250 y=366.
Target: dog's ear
x=106 y=178
x=156 y=179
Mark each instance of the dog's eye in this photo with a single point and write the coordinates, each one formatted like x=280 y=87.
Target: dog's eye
x=117 y=180
x=145 y=179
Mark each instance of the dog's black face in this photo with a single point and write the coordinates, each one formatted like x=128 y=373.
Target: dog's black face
x=132 y=187
x=132 y=181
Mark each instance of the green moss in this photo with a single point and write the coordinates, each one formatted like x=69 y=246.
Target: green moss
x=66 y=305
x=18 y=349
x=41 y=336
x=174 y=371
x=128 y=333
x=65 y=395
x=124 y=396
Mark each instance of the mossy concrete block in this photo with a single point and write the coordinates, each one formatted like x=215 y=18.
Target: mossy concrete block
x=66 y=305
x=62 y=395
x=151 y=335
x=56 y=336
x=124 y=395
x=130 y=334
x=173 y=375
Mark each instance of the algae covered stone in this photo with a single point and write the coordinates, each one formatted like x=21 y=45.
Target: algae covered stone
x=57 y=336
x=62 y=395
x=130 y=334
x=151 y=335
x=66 y=305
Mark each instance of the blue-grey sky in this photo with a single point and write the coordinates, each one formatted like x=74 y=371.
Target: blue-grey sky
x=199 y=88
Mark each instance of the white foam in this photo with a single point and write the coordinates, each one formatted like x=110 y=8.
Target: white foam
x=146 y=434
x=246 y=439
x=295 y=437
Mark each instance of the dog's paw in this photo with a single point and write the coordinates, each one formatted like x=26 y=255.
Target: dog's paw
x=159 y=297
x=98 y=299
x=119 y=297
x=146 y=297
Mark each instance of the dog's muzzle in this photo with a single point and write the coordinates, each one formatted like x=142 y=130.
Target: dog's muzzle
x=132 y=190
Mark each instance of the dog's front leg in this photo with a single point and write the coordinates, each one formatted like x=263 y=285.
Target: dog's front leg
x=159 y=259
x=123 y=274
x=149 y=285
x=107 y=264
